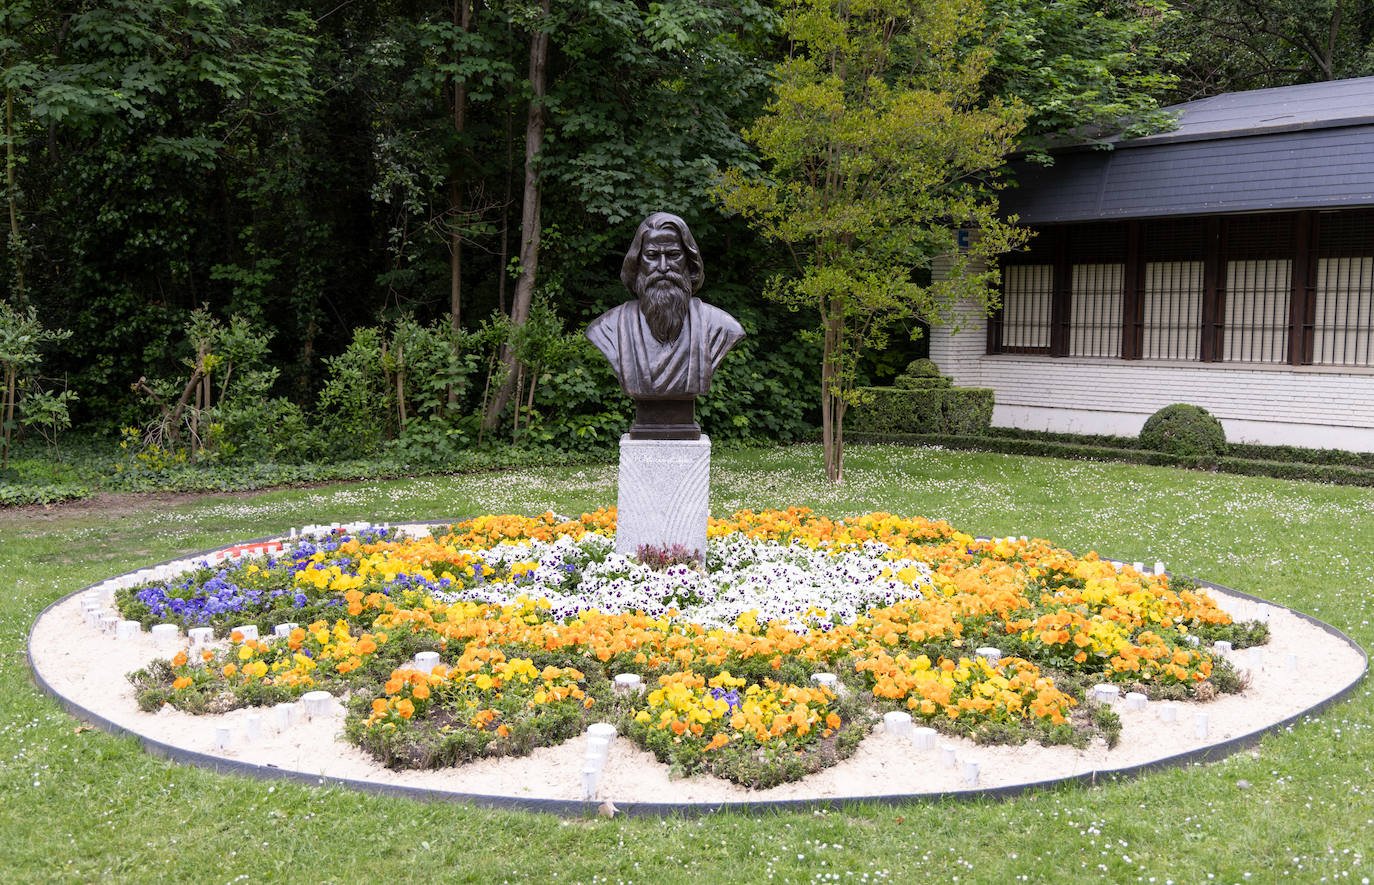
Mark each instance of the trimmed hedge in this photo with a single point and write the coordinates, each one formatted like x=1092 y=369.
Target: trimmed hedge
x=966 y=410
x=1335 y=474
x=1242 y=451
x=949 y=410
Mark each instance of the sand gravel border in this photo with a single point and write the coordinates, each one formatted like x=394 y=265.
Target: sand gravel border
x=87 y=677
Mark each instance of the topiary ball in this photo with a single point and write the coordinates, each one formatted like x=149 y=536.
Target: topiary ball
x=922 y=368
x=1185 y=430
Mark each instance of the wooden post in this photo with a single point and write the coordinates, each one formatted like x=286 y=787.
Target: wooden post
x=1214 y=291
x=1302 y=305
x=1061 y=304
x=1133 y=301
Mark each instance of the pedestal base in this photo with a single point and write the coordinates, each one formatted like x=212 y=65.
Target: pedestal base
x=662 y=499
x=665 y=419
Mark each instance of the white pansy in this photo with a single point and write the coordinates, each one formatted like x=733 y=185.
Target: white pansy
x=795 y=584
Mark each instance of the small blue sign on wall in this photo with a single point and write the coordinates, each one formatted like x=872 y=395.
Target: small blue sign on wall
x=962 y=238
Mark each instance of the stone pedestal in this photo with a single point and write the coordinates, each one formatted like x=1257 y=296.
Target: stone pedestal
x=662 y=497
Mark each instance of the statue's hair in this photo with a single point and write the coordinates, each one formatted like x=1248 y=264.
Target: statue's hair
x=696 y=270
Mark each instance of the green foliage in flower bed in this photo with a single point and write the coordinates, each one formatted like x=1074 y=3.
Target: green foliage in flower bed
x=755 y=765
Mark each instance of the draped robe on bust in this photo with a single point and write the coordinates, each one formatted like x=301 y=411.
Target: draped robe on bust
x=680 y=369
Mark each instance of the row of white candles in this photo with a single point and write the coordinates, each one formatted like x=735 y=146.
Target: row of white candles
x=312 y=705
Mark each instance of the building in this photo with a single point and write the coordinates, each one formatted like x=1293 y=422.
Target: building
x=1228 y=263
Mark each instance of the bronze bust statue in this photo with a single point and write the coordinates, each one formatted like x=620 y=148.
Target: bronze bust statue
x=666 y=344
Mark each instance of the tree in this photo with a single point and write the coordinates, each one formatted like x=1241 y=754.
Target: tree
x=531 y=215
x=642 y=105
x=1232 y=45
x=1084 y=69
x=876 y=146
x=21 y=337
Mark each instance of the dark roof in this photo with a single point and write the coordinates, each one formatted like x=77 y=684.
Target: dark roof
x=1295 y=147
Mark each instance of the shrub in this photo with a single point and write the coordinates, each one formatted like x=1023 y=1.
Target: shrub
x=966 y=411
x=1185 y=430
x=897 y=410
x=956 y=410
x=922 y=373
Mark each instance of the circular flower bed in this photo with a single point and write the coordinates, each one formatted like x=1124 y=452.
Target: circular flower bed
x=531 y=618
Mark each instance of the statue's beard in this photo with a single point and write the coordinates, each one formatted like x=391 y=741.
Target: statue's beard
x=663 y=300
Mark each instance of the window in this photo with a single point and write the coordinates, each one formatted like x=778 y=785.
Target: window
x=1294 y=288
x=1027 y=292
x=1095 y=312
x=1256 y=323
x=1344 y=314
x=1172 y=310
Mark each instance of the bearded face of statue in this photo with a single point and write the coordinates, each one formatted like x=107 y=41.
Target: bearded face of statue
x=663 y=287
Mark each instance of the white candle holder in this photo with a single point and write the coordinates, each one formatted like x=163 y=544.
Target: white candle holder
x=598 y=748
x=109 y=623
x=970 y=774
x=317 y=704
x=923 y=738
x=1136 y=700
x=897 y=723
x=990 y=654
x=201 y=635
x=128 y=630
x=1200 y=726
x=1106 y=693
x=165 y=635
x=1159 y=567
x=628 y=683
x=249 y=631
x=949 y=756
x=224 y=736
x=1223 y=646
x=1292 y=663
x=283 y=631
x=601 y=729
x=283 y=716
x=252 y=727
x=1168 y=713
x=591 y=778
x=826 y=680
x=1256 y=658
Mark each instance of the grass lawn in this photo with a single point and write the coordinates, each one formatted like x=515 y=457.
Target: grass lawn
x=83 y=806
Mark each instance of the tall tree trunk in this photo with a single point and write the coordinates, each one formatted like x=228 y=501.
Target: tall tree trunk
x=7 y=425
x=462 y=18
x=12 y=196
x=505 y=215
x=529 y=218
x=832 y=402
